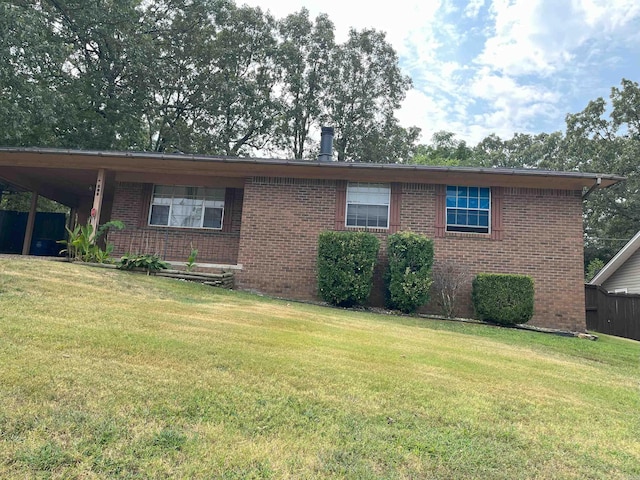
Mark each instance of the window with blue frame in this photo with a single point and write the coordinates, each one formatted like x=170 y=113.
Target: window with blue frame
x=468 y=209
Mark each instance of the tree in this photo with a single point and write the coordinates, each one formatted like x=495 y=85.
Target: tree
x=240 y=108
x=304 y=54
x=445 y=150
x=598 y=144
x=364 y=90
x=101 y=77
x=31 y=60
x=183 y=52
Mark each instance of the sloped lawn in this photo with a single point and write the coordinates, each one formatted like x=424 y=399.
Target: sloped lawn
x=105 y=374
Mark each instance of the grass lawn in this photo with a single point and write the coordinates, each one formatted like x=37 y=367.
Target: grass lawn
x=107 y=374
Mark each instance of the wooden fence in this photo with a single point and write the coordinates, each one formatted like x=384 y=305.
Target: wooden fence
x=613 y=313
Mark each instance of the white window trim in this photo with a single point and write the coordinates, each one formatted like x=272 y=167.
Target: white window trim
x=489 y=210
x=201 y=214
x=388 y=205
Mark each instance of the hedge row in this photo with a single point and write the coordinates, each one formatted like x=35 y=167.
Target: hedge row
x=346 y=261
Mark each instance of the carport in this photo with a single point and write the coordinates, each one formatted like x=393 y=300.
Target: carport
x=59 y=177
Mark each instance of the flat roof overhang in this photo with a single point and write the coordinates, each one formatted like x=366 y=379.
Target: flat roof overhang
x=66 y=175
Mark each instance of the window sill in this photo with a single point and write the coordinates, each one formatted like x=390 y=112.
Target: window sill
x=471 y=235
x=204 y=229
x=367 y=229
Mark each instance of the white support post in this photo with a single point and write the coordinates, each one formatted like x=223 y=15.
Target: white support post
x=97 y=201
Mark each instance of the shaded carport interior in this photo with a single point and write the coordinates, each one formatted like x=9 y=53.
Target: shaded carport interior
x=74 y=188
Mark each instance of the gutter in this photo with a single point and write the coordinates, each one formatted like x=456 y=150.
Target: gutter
x=597 y=183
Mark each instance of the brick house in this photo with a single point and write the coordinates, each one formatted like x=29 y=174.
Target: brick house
x=262 y=217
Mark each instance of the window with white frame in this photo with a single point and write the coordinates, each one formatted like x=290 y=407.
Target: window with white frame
x=187 y=207
x=468 y=209
x=368 y=205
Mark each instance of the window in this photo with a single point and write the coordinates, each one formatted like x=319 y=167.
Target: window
x=188 y=207
x=468 y=209
x=368 y=205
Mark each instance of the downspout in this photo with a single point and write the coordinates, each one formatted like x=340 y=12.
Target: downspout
x=592 y=188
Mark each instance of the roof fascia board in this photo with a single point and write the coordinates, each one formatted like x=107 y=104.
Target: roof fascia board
x=234 y=166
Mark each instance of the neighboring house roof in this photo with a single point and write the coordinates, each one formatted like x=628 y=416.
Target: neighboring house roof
x=60 y=173
x=617 y=261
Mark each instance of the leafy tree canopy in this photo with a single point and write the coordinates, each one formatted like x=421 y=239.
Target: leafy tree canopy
x=203 y=76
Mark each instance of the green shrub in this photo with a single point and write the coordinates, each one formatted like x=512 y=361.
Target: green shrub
x=146 y=262
x=408 y=276
x=504 y=299
x=345 y=266
x=593 y=269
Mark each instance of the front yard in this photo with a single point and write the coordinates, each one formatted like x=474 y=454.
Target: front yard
x=106 y=374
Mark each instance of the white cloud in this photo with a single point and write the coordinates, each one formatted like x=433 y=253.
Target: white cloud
x=609 y=15
x=541 y=36
x=397 y=18
x=473 y=8
x=503 y=66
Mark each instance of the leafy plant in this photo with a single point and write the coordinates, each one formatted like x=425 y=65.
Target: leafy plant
x=191 y=260
x=345 y=266
x=594 y=268
x=147 y=262
x=408 y=276
x=84 y=246
x=504 y=299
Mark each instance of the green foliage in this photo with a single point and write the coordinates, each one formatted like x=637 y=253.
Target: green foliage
x=593 y=268
x=365 y=88
x=408 y=277
x=147 y=262
x=208 y=76
x=304 y=56
x=345 y=266
x=84 y=246
x=21 y=202
x=503 y=298
x=444 y=150
x=191 y=260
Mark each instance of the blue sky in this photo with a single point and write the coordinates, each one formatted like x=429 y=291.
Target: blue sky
x=495 y=66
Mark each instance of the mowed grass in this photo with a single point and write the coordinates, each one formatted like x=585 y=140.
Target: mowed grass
x=107 y=374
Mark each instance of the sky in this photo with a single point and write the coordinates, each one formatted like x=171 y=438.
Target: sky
x=495 y=66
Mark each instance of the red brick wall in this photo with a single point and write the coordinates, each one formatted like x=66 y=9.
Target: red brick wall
x=542 y=237
x=281 y=221
x=130 y=205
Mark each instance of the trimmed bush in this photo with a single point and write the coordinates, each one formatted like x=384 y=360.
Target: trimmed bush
x=503 y=299
x=408 y=277
x=345 y=266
